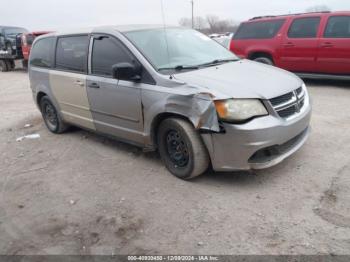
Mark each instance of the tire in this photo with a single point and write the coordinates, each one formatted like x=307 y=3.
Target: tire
x=264 y=60
x=10 y=65
x=182 y=149
x=3 y=66
x=25 y=64
x=51 y=117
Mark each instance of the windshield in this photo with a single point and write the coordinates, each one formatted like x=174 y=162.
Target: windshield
x=178 y=48
x=12 y=32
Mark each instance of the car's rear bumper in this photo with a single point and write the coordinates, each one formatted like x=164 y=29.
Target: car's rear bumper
x=261 y=143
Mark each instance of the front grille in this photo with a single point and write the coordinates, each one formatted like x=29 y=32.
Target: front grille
x=289 y=104
x=299 y=90
x=288 y=112
x=281 y=99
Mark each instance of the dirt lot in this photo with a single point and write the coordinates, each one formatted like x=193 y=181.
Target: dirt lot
x=79 y=193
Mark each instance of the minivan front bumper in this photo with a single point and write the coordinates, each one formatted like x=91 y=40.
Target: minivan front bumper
x=259 y=144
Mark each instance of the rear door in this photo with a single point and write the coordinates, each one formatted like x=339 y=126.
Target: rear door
x=115 y=104
x=300 y=45
x=334 y=51
x=68 y=79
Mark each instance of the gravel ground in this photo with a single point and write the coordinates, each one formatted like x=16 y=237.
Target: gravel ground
x=80 y=193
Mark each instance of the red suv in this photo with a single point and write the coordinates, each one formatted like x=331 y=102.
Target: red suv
x=311 y=44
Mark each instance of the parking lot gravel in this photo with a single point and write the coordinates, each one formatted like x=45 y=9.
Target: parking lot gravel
x=81 y=193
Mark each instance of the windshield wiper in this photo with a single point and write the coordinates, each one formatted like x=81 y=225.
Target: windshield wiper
x=218 y=62
x=179 y=68
x=212 y=63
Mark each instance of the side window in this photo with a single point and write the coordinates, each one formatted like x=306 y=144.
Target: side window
x=72 y=53
x=259 y=30
x=338 y=27
x=304 y=27
x=107 y=52
x=42 y=53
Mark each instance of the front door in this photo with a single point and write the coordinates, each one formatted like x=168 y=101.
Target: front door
x=334 y=51
x=115 y=104
x=68 y=80
x=299 y=47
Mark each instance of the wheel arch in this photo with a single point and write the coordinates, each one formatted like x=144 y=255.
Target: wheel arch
x=260 y=53
x=158 y=119
x=39 y=96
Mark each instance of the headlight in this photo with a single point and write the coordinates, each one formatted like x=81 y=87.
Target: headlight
x=239 y=110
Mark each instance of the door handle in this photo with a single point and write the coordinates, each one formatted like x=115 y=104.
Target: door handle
x=93 y=85
x=79 y=83
x=327 y=44
x=289 y=44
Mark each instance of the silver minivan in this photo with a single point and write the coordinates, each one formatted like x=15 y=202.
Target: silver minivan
x=173 y=90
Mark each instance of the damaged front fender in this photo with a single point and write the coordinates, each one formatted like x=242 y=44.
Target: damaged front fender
x=198 y=108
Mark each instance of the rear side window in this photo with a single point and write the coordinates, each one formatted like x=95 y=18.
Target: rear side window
x=72 y=53
x=338 y=27
x=42 y=53
x=106 y=53
x=11 y=32
x=304 y=27
x=259 y=30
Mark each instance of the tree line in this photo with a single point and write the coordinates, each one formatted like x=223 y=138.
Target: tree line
x=211 y=24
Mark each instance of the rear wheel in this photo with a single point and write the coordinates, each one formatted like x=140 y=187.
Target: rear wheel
x=10 y=65
x=3 y=66
x=25 y=64
x=264 y=60
x=51 y=118
x=182 y=149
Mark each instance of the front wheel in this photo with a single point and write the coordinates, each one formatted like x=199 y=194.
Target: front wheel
x=3 y=66
x=182 y=149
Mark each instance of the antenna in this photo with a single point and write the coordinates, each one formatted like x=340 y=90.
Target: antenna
x=164 y=28
x=192 y=4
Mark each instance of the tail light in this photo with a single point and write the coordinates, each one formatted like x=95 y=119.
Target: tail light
x=24 y=40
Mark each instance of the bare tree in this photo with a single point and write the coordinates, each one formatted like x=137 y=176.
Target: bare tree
x=318 y=8
x=212 y=21
x=210 y=24
x=200 y=23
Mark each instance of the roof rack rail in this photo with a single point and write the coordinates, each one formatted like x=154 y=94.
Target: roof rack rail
x=260 y=17
x=272 y=16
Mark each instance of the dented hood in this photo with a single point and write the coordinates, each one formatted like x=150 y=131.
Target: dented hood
x=242 y=79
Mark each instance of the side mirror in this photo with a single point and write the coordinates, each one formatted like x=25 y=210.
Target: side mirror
x=127 y=71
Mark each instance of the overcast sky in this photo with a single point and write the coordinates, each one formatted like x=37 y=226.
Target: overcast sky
x=64 y=14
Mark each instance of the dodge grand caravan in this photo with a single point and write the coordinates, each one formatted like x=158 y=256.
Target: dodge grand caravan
x=311 y=44
x=175 y=91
